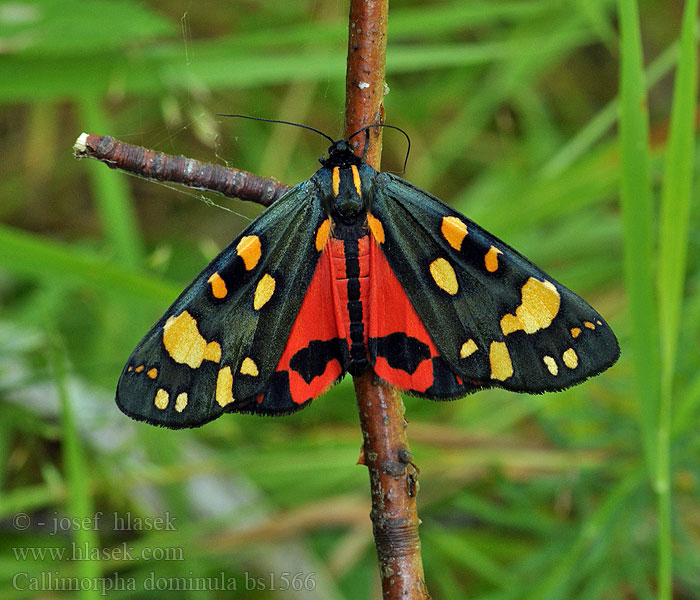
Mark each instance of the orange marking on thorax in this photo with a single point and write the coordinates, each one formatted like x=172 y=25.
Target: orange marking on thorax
x=356 y=179
x=335 y=182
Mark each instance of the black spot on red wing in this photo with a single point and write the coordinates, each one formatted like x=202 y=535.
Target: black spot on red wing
x=310 y=362
x=445 y=383
x=277 y=399
x=401 y=351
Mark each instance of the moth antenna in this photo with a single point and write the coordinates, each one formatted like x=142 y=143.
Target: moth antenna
x=279 y=121
x=368 y=127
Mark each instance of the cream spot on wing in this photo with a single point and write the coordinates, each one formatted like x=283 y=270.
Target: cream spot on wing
x=263 y=291
x=250 y=250
x=599 y=322
x=184 y=343
x=130 y=369
x=248 y=367
x=501 y=365
x=588 y=324
x=212 y=352
x=575 y=332
x=570 y=358
x=551 y=365
x=454 y=230
x=152 y=373
x=218 y=286
x=181 y=402
x=161 y=399
x=376 y=227
x=491 y=259
x=224 y=387
x=444 y=275
x=539 y=305
x=322 y=234
x=468 y=348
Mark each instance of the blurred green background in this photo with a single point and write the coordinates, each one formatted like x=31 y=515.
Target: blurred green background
x=515 y=115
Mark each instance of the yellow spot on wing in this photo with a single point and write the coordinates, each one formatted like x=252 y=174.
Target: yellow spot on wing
x=248 y=367
x=218 y=286
x=501 y=365
x=551 y=365
x=250 y=250
x=264 y=291
x=356 y=179
x=224 y=387
x=588 y=324
x=212 y=352
x=184 y=343
x=575 y=332
x=454 y=230
x=336 y=181
x=161 y=399
x=376 y=227
x=468 y=348
x=539 y=305
x=491 y=259
x=570 y=358
x=139 y=368
x=181 y=402
x=322 y=234
x=153 y=373
x=444 y=275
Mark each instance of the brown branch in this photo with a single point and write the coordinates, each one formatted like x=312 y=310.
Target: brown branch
x=364 y=82
x=393 y=477
x=178 y=169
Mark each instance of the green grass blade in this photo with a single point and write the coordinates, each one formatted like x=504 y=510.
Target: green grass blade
x=601 y=123
x=32 y=255
x=673 y=247
x=592 y=532
x=637 y=202
x=676 y=192
x=79 y=500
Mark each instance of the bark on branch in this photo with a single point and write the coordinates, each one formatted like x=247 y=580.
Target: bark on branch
x=393 y=477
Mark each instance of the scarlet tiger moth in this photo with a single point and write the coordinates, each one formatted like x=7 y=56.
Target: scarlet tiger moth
x=355 y=269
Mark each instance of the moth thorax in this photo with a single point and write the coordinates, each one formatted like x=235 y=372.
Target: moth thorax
x=348 y=201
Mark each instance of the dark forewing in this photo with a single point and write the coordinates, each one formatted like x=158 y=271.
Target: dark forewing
x=216 y=348
x=495 y=317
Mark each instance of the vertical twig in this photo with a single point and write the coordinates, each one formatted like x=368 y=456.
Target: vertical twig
x=393 y=478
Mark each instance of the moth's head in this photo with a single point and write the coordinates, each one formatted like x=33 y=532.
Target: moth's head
x=340 y=154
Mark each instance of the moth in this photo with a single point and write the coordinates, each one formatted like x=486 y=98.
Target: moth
x=355 y=269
